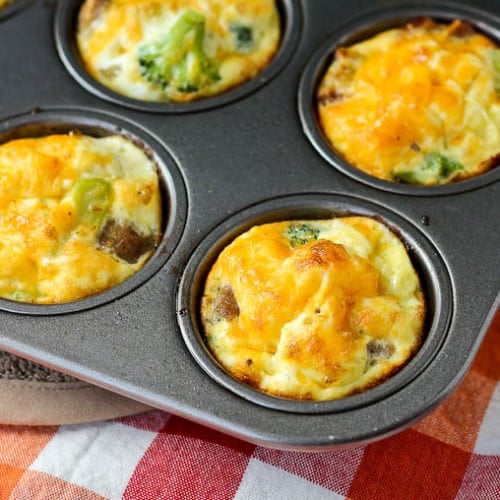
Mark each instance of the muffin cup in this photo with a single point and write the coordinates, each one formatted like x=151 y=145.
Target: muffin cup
x=425 y=258
x=174 y=207
x=14 y=8
x=64 y=32
x=364 y=27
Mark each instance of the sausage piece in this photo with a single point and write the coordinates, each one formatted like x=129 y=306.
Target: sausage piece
x=124 y=241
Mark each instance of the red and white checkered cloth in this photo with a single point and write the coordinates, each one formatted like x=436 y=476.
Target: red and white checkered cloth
x=452 y=454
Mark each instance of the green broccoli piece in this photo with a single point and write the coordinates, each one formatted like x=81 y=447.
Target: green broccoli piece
x=301 y=234
x=23 y=296
x=495 y=60
x=435 y=169
x=179 y=59
x=243 y=36
x=92 y=198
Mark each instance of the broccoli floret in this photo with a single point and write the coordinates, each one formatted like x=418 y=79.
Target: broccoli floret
x=495 y=60
x=92 y=198
x=179 y=59
x=301 y=234
x=24 y=295
x=243 y=36
x=435 y=169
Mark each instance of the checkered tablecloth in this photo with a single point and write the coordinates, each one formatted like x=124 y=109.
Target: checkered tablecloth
x=454 y=453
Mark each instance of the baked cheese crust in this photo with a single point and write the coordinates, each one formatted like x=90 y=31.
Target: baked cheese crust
x=176 y=50
x=418 y=104
x=313 y=309
x=78 y=215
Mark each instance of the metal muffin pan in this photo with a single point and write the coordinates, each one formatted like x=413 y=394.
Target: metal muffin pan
x=13 y=8
x=248 y=159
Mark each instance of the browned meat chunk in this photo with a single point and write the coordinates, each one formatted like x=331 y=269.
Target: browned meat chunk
x=378 y=349
x=124 y=241
x=226 y=305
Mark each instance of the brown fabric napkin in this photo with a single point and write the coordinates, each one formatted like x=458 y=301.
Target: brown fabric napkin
x=32 y=394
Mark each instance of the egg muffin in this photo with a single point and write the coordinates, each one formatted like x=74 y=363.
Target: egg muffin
x=313 y=309
x=176 y=50
x=418 y=104
x=78 y=215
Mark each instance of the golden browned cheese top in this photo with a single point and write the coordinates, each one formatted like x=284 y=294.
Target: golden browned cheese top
x=78 y=215
x=418 y=104
x=313 y=309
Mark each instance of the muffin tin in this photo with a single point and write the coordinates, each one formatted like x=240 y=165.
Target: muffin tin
x=249 y=156
x=12 y=8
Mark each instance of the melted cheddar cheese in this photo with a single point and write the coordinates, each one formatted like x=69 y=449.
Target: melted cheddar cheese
x=77 y=215
x=315 y=309
x=238 y=40
x=418 y=104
